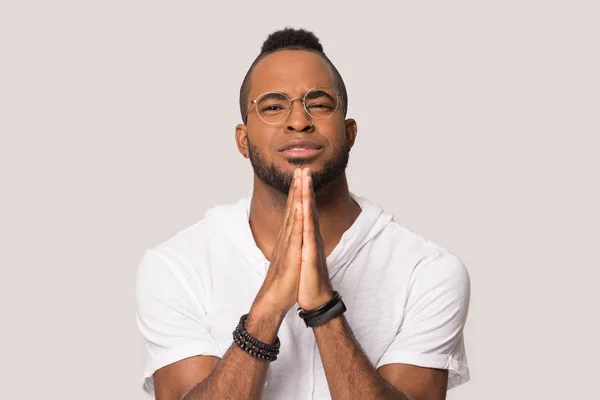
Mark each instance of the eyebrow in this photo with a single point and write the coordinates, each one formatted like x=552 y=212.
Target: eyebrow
x=273 y=95
x=319 y=93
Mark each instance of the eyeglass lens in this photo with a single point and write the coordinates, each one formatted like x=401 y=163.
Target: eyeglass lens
x=275 y=107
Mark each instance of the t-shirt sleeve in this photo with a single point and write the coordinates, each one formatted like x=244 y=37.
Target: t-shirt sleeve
x=431 y=332
x=169 y=315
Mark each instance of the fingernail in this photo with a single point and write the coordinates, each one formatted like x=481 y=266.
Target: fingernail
x=296 y=173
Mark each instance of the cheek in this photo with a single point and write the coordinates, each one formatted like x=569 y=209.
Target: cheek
x=337 y=138
x=260 y=141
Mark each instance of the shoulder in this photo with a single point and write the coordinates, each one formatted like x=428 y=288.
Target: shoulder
x=407 y=244
x=214 y=227
x=188 y=252
x=430 y=260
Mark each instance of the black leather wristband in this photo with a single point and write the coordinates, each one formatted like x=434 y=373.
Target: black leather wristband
x=336 y=310
x=321 y=309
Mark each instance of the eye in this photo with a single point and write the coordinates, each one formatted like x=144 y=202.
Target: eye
x=322 y=106
x=272 y=108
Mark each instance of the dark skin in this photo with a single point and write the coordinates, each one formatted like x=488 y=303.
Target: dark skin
x=296 y=231
x=281 y=72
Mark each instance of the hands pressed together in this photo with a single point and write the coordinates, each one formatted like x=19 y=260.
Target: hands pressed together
x=298 y=271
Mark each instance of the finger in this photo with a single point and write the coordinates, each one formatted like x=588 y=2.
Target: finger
x=306 y=205
x=290 y=198
x=289 y=202
x=316 y=223
x=294 y=214
x=293 y=245
x=315 y=217
x=314 y=213
x=308 y=233
x=295 y=242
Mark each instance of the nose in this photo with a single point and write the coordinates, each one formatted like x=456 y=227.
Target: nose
x=299 y=120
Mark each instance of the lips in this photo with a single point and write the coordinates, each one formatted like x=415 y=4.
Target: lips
x=300 y=149
x=299 y=145
x=301 y=153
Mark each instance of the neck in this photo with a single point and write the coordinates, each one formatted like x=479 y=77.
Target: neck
x=336 y=208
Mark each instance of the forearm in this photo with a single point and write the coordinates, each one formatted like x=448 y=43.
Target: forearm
x=239 y=375
x=350 y=374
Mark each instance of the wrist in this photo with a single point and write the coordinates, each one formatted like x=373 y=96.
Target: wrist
x=317 y=301
x=321 y=315
x=263 y=322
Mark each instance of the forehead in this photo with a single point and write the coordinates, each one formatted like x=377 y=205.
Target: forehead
x=290 y=72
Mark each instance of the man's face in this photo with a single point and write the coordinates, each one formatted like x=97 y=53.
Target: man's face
x=294 y=73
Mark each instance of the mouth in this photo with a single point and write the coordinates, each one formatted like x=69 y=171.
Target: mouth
x=301 y=152
x=301 y=149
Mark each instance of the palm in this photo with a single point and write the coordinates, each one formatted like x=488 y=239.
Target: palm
x=314 y=287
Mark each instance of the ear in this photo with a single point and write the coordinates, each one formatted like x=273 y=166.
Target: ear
x=351 y=131
x=241 y=139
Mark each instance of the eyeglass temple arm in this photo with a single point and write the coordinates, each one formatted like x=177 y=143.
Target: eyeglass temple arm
x=247 y=111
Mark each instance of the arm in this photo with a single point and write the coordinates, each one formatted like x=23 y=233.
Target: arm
x=350 y=374
x=237 y=376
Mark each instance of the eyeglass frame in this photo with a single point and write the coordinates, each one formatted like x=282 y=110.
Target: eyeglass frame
x=255 y=102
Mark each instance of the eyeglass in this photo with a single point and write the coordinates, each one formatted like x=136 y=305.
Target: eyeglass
x=275 y=107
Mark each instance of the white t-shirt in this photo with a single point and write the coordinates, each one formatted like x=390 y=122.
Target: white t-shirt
x=407 y=299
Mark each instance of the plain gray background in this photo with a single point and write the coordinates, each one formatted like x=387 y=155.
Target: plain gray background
x=478 y=129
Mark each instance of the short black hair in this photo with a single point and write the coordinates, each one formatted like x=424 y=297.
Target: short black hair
x=291 y=39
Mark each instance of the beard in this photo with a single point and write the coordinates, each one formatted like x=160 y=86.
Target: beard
x=270 y=174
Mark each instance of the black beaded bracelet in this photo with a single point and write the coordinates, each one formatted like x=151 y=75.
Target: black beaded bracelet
x=253 y=346
x=253 y=350
x=242 y=327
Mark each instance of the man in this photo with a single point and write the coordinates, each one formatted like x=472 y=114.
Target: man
x=381 y=310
